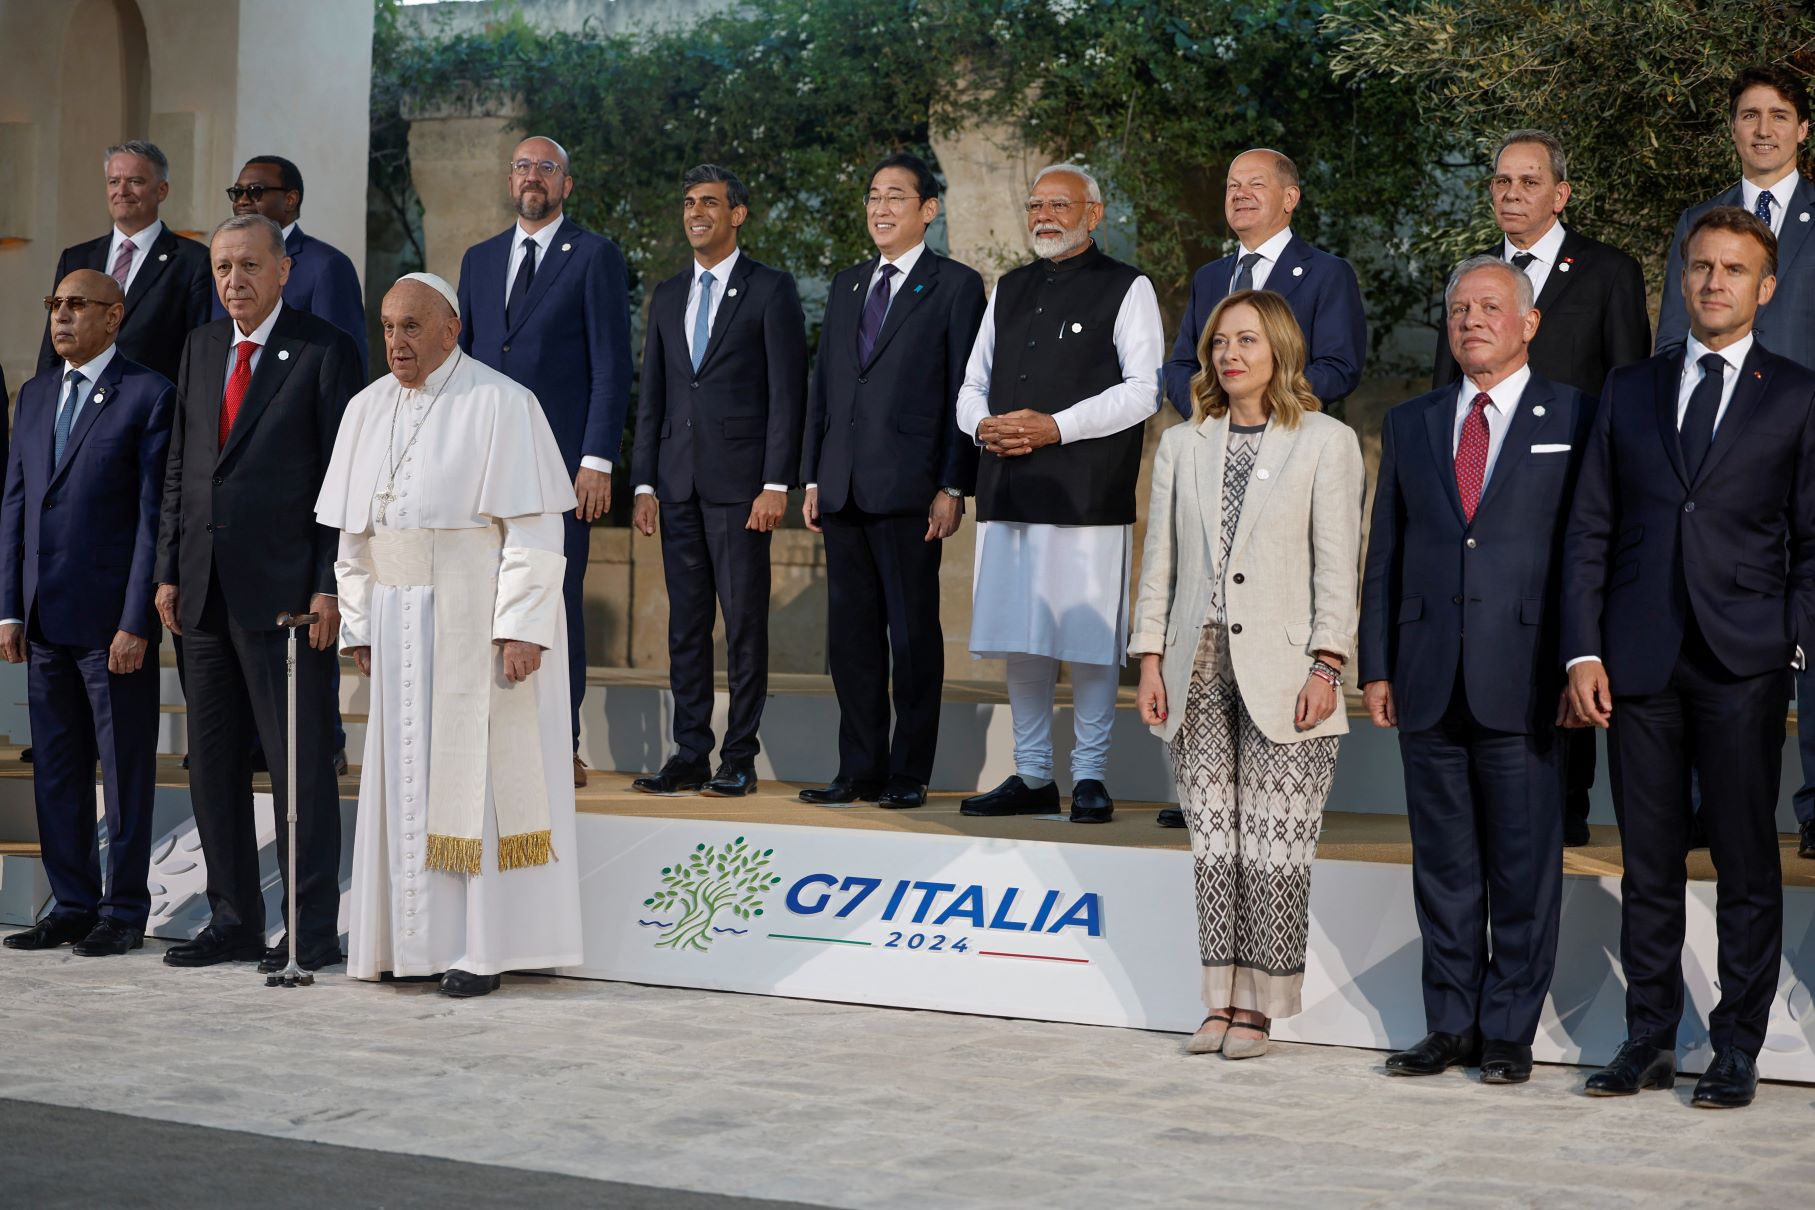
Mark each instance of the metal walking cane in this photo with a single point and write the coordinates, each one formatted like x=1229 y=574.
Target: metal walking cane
x=292 y=975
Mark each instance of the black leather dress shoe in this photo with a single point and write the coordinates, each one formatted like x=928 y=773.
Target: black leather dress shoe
x=1806 y=847
x=1090 y=802
x=463 y=986
x=110 y=937
x=1635 y=1066
x=730 y=782
x=309 y=957
x=212 y=946
x=1013 y=797
x=1730 y=1083
x=340 y=763
x=51 y=932
x=1434 y=1054
x=902 y=793
x=25 y=756
x=1171 y=817
x=1505 y=1062
x=843 y=790
x=1576 y=833
x=676 y=777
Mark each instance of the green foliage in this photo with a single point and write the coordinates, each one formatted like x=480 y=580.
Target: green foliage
x=733 y=877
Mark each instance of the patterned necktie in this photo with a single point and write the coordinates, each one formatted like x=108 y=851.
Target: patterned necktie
x=702 y=321
x=1697 y=433
x=1762 y=208
x=519 y=288
x=237 y=382
x=1244 y=276
x=1522 y=260
x=66 y=416
x=122 y=263
x=874 y=309
x=1471 y=456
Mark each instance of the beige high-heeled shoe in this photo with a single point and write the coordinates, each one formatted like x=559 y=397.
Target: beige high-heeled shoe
x=1209 y=1036
x=1251 y=1044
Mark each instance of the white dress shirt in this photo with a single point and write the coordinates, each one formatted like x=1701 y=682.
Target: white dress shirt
x=259 y=336
x=1782 y=194
x=544 y=239
x=1270 y=252
x=721 y=274
x=141 y=248
x=1498 y=414
x=1545 y=251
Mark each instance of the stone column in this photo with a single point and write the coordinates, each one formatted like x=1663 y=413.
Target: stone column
x=458 y=152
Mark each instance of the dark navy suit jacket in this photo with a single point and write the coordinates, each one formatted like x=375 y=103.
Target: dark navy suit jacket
x=571 y=343
x=1430 y=574
x=1324 y=296
x=883 y=434
x=1786 y=324
x=322 y=282
x=78 y=540
x=1646 y=542
x=169 y=299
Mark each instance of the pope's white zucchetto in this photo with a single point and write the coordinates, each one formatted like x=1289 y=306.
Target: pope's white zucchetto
x=437 y=284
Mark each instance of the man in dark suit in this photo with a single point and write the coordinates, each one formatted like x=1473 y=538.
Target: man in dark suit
x=165 y=277
x=1682 y=617
x=78 y=532
x=717 y=447
x=548 y=304
x=259 y=401
x=1592 y=298
x=887 y=471
x=1459 y=651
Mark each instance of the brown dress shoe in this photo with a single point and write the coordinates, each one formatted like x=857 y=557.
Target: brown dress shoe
x=579 y=773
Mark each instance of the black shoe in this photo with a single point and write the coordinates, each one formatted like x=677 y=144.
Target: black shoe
x=1698 y=832
x=842 y=791
x=309 y=957
x=1576 y=833
x=212 y=946
x=51 y=932
x=1436 y=1053
x=1090 y=802
x=1730 y=1083
x=340 y=763
x=730 y=782
x=1505 y=1062
x=1013 y=797
x=1807 y=846
x=1171 y=817
x=110 y=937
x=902 y=793
x=677 y=777
x=464 y=986
x=185 y=760
x=25 y=756
x=1636 y=1065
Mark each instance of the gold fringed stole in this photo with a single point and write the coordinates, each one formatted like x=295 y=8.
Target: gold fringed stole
x=525 y=849
x=456 y=855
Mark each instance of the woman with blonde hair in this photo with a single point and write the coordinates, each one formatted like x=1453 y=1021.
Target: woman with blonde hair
x=1245 y=619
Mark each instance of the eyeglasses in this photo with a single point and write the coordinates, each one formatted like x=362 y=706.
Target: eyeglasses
x=252 y=192
x=74 y=302
x=542 y=167
x=894 y=203
x=1059 y=208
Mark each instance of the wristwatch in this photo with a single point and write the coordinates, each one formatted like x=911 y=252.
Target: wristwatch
x=953 y=492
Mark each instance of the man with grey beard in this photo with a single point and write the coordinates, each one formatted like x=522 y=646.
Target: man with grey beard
x=1061 y=380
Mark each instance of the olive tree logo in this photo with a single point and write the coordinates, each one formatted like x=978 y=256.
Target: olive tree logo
x=733 y=877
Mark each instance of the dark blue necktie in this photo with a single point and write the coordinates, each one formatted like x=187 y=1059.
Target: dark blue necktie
x=1698 y=418
x=519 y=286
x=66 y=416
x=1762 y=207
x=874 y=309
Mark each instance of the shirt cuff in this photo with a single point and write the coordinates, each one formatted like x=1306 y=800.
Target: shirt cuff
x=602 y=465
x=1581 y=659
x=644 y=489
x=21 y=622
x=811 y=487
x=775 y=487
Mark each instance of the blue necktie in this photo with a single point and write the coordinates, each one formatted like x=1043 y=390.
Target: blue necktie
x=1244 y=276
x=1697 y=433
x=65 y=416
x=702 y=321
x=1762 y=208
x=877 y=306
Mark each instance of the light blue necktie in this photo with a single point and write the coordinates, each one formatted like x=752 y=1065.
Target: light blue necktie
x=65 y=416
x=702 y=321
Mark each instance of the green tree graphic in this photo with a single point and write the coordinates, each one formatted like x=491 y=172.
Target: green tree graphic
x=734 y=876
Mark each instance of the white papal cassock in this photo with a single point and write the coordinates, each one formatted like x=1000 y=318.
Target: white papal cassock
x=482 y=486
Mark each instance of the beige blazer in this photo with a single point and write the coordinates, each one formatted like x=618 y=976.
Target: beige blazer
x=1292 y=580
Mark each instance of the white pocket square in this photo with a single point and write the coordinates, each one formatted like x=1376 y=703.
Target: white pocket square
x=1550 y=449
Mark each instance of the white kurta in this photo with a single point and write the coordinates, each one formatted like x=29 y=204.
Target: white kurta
x=1061 y=591
x=484 y=458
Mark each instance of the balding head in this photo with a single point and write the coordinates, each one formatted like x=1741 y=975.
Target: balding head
x=1261 y=193
x=537 y=193
x=92 y=283
x=85 y=315
x=420 y=330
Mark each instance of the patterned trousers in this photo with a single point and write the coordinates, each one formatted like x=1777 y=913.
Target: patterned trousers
x=1254 y=808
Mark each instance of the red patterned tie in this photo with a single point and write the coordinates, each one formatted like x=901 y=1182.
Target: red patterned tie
x=1471 y=455
x=237 y=382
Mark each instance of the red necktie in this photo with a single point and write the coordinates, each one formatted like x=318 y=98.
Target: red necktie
x=1471 y=455
x=237 y=382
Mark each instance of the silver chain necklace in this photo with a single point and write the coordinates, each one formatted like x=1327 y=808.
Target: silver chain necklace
x=397 y=456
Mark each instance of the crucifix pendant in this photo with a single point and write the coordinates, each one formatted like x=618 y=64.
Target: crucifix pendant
x=384 y=499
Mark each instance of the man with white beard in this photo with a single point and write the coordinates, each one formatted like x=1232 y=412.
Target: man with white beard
x=448 y=489
x=1061 y=380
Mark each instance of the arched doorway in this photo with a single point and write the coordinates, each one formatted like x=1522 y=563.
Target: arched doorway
x=105 y=94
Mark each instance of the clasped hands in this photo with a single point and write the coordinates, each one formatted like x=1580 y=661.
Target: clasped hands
x=520 y=659
x=1018 y=433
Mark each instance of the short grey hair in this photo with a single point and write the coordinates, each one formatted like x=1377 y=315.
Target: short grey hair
x=1559 y=163
x=1092 y=191
x=143 y=149
x=252 y=222
x=1522 y=290
x=1283 y=166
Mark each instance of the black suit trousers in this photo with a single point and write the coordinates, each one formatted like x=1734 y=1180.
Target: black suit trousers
x=882 y=605
x=1728 y=732
x=577 y=546
x=236 y=688
x=709 y=559
x=1486 y=814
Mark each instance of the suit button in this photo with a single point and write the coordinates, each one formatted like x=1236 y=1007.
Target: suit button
x=1689 y=507
x=50 y=504
x=861 y=379
x=1239 y=579
x=218 y=481
x=1023 y=378
x=694 y=385
x=507 y=348
x=210 y=527
x=1032 y=343
x=1236 y=629
x=1470 y=544
x=1456 y=600
x=1039 y=310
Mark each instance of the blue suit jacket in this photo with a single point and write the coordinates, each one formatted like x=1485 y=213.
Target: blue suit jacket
x=1324 y=296
x=571 y=343
x=1786 y=324
x=78 y=540
x=1647 y=543
x=1429 y=571
x=322 y=282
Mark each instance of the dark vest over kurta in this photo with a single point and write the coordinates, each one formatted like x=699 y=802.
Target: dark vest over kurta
x=1055 y=346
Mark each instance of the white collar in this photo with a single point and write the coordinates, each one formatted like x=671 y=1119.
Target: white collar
x=904 y=264
x=543 y=238
x=1784 y=190
x=1547 y=247
x=261 y=335
x=1734 y=354
x=287 y=231
x=721 y=272
x=1505 y=395
x=438 y=379
x=95 y=366
x=1273 y=249
x=143 y=239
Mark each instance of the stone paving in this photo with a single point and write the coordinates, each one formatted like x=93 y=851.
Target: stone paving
x=850 y=1106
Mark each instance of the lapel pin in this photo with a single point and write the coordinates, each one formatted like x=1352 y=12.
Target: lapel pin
x=1538 y=411
x=567 y=247
x=166 y=255
x=1563 y=268
x=1804 y=218
x=920 y=287
x=99 y=395
x=1261 y=473
x=283 y=355
x=854 y=286
x=731 y=293
x=1758 y=373
x=1298 y=270
x=1077 y=327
